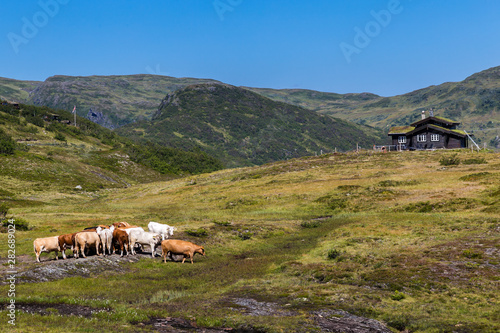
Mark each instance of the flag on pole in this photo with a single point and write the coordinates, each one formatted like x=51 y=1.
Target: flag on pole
x=74 y=109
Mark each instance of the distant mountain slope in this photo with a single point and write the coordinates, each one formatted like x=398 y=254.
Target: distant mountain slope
x=16 y=90
x=474 y=102
x=120 y=99
x=241 y=127
x=123 y=99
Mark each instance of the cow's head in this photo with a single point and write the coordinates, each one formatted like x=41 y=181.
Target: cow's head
x=200 y=250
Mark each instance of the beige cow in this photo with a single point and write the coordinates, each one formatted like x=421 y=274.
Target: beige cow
x=47 y=244
x=85 y=240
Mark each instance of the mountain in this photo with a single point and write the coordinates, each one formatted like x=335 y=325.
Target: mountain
x=474 y=102
x=120 y=99
x=241 y=127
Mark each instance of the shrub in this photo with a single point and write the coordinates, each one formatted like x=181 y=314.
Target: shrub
x=7 y=145
x=222 y=223
x=310 y=224
x=398 y=296
x=197 y=233
x=471 y=254
x=479 y=160
x=333 y=254
x=449 y=160
x=20 y=224
x=60 y=137
x=4 y=209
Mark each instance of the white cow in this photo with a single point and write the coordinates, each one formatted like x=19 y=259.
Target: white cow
x=144 y=238
x=128 y=230
x=163 y=229
x=106 y=239
x=47 y=244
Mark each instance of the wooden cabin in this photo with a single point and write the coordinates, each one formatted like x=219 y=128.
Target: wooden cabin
x=429 y=133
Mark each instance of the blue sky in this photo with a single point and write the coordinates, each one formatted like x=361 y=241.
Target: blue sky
x=385 y=47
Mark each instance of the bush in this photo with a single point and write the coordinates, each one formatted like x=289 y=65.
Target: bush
x=20 y=224
x=4 y=209
x=222 y=223
x=449 y=160
x=333 y=254
x=398 y=296
x=244 y=235
x=197 y=233
x=60 y=137
x=7 y=145
x=479 y=160
x=310 y=224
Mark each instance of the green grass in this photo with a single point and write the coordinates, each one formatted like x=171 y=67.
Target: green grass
x=414 y=246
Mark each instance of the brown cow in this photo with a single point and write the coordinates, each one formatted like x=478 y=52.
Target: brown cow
x=121 y=224
x=67 y=242
x=121 y=237
x=174 y=246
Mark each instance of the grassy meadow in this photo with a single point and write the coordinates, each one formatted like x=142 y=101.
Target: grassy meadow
x=406 y=238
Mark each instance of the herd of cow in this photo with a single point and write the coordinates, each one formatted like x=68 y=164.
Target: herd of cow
x=119 y=235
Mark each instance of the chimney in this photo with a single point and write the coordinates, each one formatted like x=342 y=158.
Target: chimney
x=423 y=114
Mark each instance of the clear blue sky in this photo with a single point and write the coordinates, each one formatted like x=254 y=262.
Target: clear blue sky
x=385 y=47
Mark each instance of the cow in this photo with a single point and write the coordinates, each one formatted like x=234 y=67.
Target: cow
x=163 y=229
x=47 y=244
x=67 y=242
x=87 y=238
x=106 y=236
x=144 y=238
x=174 y=246
x=129 y=229
x=121 y=224
x=120 y=237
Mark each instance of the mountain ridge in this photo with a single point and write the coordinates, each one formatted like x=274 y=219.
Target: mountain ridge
x=243 y=128
x=474 y=101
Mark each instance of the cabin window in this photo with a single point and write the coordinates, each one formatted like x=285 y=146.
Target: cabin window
x=422 y=138
x=402 y=139
x=434 y=137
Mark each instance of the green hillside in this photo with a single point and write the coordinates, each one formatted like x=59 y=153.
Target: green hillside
x=16 y=90
x=43 y=153
x=475 y=102
x=127 y=98
x=121 y=98
x=244 y=128
x=350 y=242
